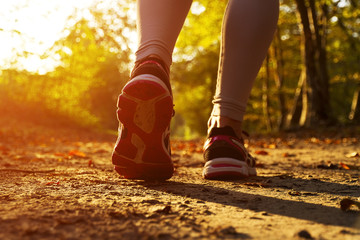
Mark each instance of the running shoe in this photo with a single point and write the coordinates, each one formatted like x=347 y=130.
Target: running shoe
x=145 y=108
x=226 y=156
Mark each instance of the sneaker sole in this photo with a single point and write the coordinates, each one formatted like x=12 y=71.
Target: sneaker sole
x=227 y=168
x=145 y=109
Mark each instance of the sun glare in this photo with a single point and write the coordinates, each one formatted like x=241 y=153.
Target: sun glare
x=30 y=27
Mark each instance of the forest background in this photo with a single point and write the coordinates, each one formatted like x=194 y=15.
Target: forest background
x=310 y=77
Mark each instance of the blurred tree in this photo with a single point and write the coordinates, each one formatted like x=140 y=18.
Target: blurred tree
x=285 y=65
x=194 y=71
x=95 y=59
x=94 y=69
x=194 y=86
x=318 y=76
x=314 y=21
x=344 y=55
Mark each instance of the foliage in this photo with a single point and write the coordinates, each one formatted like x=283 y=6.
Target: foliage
x=94 y=67
x=201 y=35
x=95 y=59
x=194 y=72
x=194 y=85
x=344 y=55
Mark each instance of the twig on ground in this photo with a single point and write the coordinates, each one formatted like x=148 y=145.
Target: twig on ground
x=25 y=171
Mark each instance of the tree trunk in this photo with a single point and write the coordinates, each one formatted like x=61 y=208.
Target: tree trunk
x=321 y=89
x=278 y=66
x=354 y=115
x=265 y=95
x=317 y=80
x=293 y=117
x=304 y=117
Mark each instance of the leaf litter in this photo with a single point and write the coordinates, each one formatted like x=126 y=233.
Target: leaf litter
x=65 y=193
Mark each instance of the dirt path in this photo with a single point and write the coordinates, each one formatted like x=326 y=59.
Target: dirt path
x=59 y=184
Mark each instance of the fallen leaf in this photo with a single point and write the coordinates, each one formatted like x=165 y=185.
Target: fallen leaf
x=261 y=152
x=53 y=183
x=58 y=154
x=352 y=155
x=314 y=140
x=91 y=163
x=288 y=155
x=272 y=146
x=76 y=153
x=329 y=166
x=332 y=141
x=294 y=193
x=344 y=166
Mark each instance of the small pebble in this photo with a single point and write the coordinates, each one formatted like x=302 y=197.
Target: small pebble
x=305 y=234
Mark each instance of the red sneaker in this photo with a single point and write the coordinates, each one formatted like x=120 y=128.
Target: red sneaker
x=145 y=109
x=226 y=156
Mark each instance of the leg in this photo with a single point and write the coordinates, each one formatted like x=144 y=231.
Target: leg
x=248 y=28
x=145 y=106
x=159 y=23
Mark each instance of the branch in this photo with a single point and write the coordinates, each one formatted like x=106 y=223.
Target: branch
x=25 y=171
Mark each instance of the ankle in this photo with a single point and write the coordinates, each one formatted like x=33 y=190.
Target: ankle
x=155 y=58
x=222 y=121
x=153 y=65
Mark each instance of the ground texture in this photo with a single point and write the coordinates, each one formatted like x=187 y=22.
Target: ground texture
x=60 y=184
